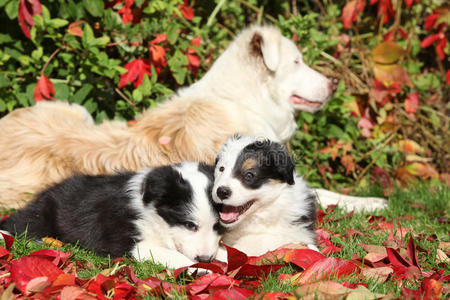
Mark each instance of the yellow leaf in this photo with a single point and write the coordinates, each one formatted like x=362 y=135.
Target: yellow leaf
x=409 y=146
x=391 y=74
x=387 y=53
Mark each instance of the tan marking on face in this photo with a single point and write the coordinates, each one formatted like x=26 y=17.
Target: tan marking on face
x=250 y=163
x=275 y=181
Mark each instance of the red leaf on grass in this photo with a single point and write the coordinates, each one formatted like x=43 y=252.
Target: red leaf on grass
x=412 y=103
x=26 y=268
x=186 y=10
x=256 y=271
x=136 y=70
x=412 y=253
x=233 y=293
x=211 y=281
x=325 y=268
x=57 y=257
x=27 y=9
x=9 y=240
x=351 y=11
x=275 y=296
x=432 y=289
x=235 y=258
x=159 y=37
x=429 y=40
x=3 y=252
x=44 y=89
x=303 y=258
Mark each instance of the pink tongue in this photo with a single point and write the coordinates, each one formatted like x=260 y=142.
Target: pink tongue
x=229 y=214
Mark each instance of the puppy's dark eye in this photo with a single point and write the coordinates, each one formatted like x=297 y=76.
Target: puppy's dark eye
x=221 y=169
x=249 y=176
x=190 y=226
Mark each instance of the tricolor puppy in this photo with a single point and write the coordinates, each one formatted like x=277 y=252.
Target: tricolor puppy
x=165 y=214
x=264 y=205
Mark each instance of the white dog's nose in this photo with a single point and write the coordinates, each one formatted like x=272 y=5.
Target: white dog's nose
x=223 y=192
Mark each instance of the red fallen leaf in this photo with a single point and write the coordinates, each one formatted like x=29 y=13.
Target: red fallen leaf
x=3 y=252
x=9 y=240
x=233 y=293
x=432 y=289
x=75 y=292
x=37 y=284
x=351 y=11
x=123 y=290
x=275 y=296
x=366 y=126
x=412 y=254
x=63 y=280
x=354 y=285
x=325 y=268
x=211 y=281
x=256 y=271
x=235 y=258
x=186 y=10
x=374 y=257
x=44 y=89
x=75 y=29
x=27 y=9
x=303 y=258
x=379 y=275
x=136 y=70
x=412 y=103
x=26 y=268
x=55 y=256
x=319 y=215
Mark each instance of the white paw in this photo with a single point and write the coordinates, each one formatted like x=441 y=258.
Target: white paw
x=362 y=204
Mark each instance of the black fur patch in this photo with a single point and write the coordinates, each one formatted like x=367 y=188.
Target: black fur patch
x=310 y=216
x=170 y=194
x=271 y=162
x=91 y=210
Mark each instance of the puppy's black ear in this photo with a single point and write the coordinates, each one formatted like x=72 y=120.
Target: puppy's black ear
x=157 y=184
x=283 y=162
x=266 y=44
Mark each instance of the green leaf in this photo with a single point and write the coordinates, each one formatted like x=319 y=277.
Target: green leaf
x=94 y=7
x=146 y=86
x=90 y=105
x=137 y=96
x=88 y=36
x=172 y=33
x=38 y=22
x=61 y=91
x=3 y=2
x=101 y=41
x=82 y=93
x=37 y=54
x=2 y=106
x=12 y=9
x=57 y=23
x=5 y=38
x=4 y=81
x=45 y=14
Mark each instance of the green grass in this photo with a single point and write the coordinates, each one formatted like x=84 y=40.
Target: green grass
x=429 y=216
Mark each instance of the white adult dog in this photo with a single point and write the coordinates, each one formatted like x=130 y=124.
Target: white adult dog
x=253 y=88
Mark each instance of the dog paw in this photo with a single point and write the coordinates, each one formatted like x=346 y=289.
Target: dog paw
x=367 y=204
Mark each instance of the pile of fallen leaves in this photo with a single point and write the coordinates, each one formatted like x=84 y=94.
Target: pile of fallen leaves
x=50 y=273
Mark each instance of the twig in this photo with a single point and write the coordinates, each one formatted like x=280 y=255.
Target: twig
x=379 y=146
x=125 y=98
x=216 y=10
x=49 y=59
x=256 y=9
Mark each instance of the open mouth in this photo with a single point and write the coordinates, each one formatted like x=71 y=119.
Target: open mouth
x=230 y=214
x=302 y=101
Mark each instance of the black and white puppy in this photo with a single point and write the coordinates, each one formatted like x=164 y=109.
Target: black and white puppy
x=264 y=204
x=165 y=214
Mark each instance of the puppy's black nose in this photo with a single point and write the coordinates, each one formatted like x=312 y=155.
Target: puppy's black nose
x=204 y=258
x=223 y=192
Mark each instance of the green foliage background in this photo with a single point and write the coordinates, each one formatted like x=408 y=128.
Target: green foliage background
x=87 y=70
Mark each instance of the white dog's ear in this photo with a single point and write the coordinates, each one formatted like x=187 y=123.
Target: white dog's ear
x=267 y=45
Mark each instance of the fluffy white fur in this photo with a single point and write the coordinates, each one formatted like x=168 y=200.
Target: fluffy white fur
x=253 y=88
x=176 y=246
x=272 y=219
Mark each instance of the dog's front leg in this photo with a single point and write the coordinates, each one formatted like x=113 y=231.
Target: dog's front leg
x=168 y=257
x=349 y=203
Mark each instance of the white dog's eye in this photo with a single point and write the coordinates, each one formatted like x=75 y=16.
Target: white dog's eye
x=221 y=169
x=297 y=61
x=249 y=176
x=190 y=226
